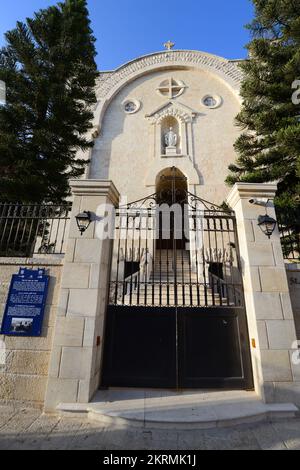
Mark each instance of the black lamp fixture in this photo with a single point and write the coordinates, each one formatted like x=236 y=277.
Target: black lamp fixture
x=266 y=223
x=83 y=221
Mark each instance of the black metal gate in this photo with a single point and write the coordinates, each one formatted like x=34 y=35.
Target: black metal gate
x=176 y=315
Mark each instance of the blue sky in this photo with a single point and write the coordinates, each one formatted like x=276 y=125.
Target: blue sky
x=126 y=29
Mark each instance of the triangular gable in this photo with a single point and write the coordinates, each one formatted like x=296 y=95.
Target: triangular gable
x=182 y=108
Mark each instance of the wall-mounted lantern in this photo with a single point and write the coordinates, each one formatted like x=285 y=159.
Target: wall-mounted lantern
x=267 y=224
x=83 y=221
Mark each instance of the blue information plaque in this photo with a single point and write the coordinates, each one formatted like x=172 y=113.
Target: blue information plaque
x=25 y=306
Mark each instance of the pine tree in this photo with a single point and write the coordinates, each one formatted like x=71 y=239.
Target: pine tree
x=48 y=65
x=269 y=146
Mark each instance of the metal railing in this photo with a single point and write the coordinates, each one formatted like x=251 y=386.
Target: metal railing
x=289 y=229
x=33 y=229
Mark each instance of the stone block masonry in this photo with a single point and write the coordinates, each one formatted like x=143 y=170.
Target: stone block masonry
x=271 y=325
x=75 y=364
x=23 y=377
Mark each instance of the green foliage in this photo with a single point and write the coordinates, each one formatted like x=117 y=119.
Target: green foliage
x=269 y=146
x=49 y=69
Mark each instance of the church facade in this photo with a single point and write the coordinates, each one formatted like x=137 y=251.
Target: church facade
x=196 y=94
x=168 y=281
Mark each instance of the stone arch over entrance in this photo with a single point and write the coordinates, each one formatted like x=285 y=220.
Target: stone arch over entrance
x=171 y=186
x=185 y=167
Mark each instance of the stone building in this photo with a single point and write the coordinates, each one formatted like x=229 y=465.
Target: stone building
x=202 y=306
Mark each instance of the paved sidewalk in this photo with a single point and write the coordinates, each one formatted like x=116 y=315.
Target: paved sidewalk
x=24 y=428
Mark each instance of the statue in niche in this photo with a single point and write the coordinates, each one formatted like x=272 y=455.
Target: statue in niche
x=171 y=138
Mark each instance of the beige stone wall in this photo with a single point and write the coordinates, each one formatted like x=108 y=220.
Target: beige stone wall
x=268 y=304
x=24 y=376
x=293 y=274
x=125 y=150
x=74 y=373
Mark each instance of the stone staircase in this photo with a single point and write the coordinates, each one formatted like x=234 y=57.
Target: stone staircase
x=159 y=289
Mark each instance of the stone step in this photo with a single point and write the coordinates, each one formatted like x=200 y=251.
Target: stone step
x=171 y=300
x=164 y=277
x=183 y=410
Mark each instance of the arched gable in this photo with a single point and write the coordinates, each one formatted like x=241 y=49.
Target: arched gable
x=111 y=83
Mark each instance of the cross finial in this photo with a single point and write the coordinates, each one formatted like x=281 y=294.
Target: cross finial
x=169 y=45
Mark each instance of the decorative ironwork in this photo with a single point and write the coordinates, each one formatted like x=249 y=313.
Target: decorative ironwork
x=147 y=202
x=173 y=248
x=196 y=202
x=29 y=229
x=175 y=195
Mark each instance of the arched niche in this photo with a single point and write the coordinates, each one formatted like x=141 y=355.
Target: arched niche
x=180 y=117
x=170 y=123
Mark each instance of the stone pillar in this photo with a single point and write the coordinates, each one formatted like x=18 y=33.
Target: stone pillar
x=74 y=372
x=270 y=318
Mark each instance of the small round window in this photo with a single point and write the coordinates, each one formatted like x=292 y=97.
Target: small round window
x=131 y=106
x=212 y=101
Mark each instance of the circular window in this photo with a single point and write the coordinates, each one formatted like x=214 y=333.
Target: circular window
x=212 y=101
x=171 y=88
x=131 y=106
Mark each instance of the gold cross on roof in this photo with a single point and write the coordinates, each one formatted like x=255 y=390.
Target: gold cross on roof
x=169 y=45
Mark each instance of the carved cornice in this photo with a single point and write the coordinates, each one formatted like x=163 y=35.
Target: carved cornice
x=182 y=117
x=226 y=68
x=171 y=108
x=91 y=187
x=251 y=191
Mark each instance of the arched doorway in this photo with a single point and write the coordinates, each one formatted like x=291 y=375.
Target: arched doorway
x=172 y=198
x=171 y=187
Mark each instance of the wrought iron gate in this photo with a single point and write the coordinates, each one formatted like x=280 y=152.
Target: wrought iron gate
x=176 y=315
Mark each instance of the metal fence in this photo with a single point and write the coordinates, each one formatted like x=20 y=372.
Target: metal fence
x=289 y=228
x=33 y=229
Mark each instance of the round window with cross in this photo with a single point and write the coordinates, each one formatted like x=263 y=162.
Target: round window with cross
x=171 y=88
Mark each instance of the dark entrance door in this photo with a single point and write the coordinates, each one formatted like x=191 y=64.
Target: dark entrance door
x=171 y=192
x=176 y=348
x=140 y=347
x=176 y=316
x=213 y=351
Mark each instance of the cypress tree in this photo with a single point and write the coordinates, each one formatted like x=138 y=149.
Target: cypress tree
x=48 y=65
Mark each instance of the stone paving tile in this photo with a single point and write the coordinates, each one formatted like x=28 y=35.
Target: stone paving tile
x=191 y=440
x=289 y=433
x=157 y=439
x=6 y=413
x=63 y=435
x=228 y=439
x=87 y=437
x=29 y=429
x=268 y=437
x=36 y=433
x=123 y=439
x=15 y=426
